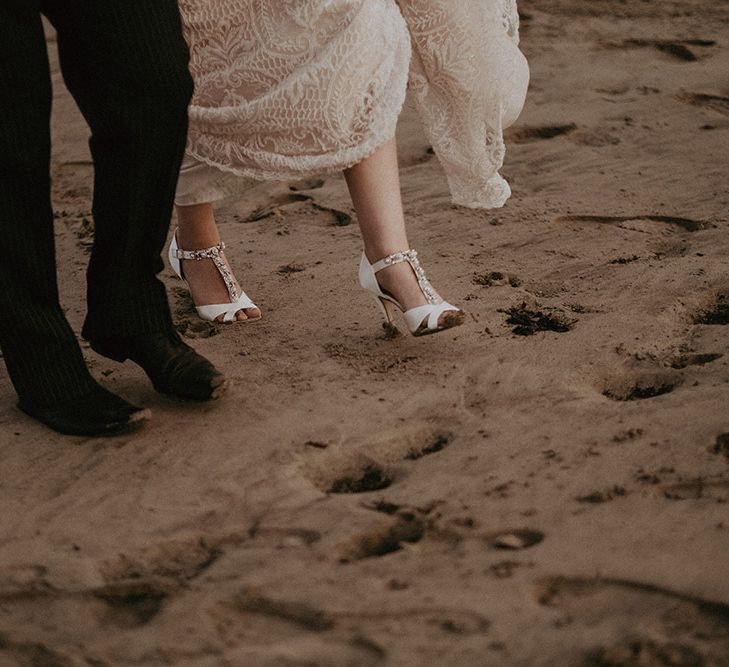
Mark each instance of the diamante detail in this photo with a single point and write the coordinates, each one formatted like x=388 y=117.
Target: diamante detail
x=214 y=253
x=411 y=257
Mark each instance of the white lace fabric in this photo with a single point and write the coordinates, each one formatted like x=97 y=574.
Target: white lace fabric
x=469 y=81
x=289 y=88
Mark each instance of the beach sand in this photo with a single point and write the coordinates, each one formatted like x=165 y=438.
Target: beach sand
x=495 y=495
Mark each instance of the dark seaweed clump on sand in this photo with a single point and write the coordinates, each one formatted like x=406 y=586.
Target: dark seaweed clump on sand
x=526 y=322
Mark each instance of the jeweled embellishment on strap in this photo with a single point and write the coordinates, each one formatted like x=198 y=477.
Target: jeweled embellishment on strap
x=205 y=253
x=214 y=253
x=410 y=256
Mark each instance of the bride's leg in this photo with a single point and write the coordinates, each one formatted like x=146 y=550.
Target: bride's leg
x=374 y=185
x=197 y=230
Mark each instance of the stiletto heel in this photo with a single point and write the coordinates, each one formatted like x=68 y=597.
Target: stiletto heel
x=239 y=300
x=389 y=314
x=387 y=311
x=421 y=320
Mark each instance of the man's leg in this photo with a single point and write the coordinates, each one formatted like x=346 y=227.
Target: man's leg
x=126 y=65
x=40 y=349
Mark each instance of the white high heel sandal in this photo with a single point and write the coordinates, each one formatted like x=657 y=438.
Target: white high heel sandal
x=239 y=300
x=421 y=320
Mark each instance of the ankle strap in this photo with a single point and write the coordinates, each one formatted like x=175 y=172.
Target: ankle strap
x=397 y=257
x=206 y=253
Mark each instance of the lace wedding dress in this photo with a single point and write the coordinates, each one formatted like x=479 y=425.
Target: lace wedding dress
x=290 y=88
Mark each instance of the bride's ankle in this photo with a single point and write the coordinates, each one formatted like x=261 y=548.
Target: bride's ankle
x=196 y=239
x=196 y=227
x=400 y=281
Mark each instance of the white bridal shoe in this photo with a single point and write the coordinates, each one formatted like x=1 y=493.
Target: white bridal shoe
x=239 y=300
x=421 y=320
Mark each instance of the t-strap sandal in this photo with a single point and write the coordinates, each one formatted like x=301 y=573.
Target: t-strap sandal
x=239 y=300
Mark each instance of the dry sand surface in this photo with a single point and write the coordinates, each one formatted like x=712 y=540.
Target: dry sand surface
x=474 y=498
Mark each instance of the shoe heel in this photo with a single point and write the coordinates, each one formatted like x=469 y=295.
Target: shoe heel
x=419 y=320
x=387 y=310
x=386 y=307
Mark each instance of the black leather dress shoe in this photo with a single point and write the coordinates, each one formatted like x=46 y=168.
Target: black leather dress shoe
x=97 y=413
x=173 y=367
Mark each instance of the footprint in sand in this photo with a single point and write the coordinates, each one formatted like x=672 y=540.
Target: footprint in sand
x=134 y=592
x=405 y=527
x=403 y=622
x=431 y=444
x=410 y=525
x=351 y=636
x=696 y=489
x=651 y=383
x=525 y=134
x=137 y=585
x=421 y=438
x=595 y=137
x=711 y=102
x=678 y=49
x=355 y=473
x=663 y=248
x=716 y=312
x=370 y=477
x=300 y=614
x=131 y=604
x=274 y=204
x=721 y=445
x=621 y=623
x=177 y=561
x=296 y=633
x=123 y=604
x=279 y=202
x=640 y=385
x=32 y=653
x=371 y=465
x=189 y=324
x=341 y=218
x=356 y=627
x=686 y=360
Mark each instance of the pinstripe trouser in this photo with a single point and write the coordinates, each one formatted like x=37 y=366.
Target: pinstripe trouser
x=125 y=63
